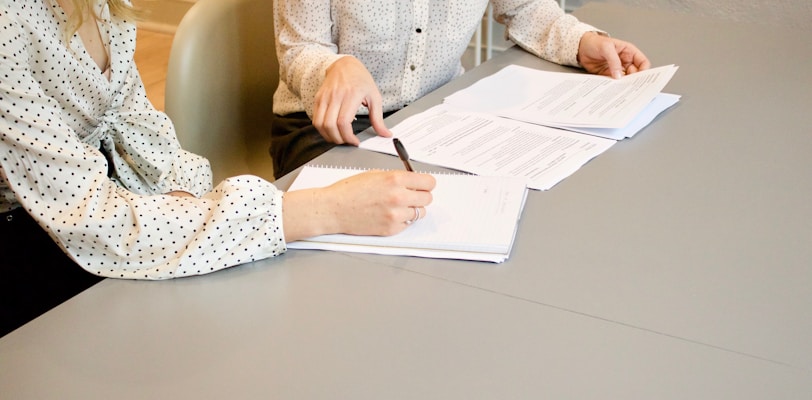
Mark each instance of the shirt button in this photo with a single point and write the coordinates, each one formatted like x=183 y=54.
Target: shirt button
x=412 y=67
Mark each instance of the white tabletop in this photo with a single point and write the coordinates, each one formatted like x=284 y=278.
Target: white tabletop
x=675 y=265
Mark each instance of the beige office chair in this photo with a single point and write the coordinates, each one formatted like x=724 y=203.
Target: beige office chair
x=220 y=82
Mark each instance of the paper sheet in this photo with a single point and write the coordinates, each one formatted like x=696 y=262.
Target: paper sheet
x=484 y=144
x=564 y=99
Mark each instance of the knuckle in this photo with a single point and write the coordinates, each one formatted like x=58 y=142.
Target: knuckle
x=392 y=179
x=429 y=198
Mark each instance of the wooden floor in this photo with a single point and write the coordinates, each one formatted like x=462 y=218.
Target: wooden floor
x=152 y=57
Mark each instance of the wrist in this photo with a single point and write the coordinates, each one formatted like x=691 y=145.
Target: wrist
x=339 y=62
x=585 y=38
x=307 y=213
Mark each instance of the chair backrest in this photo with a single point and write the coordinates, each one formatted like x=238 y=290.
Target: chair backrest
x=220 y=82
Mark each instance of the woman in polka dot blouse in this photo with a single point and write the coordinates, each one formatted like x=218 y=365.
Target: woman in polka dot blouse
x=94 y=183
x=346 y=64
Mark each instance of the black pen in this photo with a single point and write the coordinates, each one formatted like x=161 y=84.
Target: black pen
x=404 y=156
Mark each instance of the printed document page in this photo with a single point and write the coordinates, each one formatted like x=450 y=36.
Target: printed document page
x=485 y=144
x=661 y=102
x=564 y=99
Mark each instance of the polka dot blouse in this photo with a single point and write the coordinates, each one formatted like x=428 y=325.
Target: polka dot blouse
x=58 y=110
x=410 y=47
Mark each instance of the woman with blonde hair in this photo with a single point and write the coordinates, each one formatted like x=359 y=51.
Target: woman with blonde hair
x=94 y=183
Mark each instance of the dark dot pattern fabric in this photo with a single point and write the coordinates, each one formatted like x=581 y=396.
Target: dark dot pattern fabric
x=58 y=110
x=410 y=47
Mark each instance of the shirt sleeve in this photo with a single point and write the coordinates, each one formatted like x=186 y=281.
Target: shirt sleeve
x=304 y=46
x=109 y=230
x=542 y=28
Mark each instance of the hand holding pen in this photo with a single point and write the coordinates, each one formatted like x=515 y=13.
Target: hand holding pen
x=404 y=156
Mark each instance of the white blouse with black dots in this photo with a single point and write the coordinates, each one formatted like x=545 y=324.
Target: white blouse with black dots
x=410 y=47
x=58 y=109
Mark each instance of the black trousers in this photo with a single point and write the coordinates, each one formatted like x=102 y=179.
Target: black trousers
x=295 y=141
x=35 y=274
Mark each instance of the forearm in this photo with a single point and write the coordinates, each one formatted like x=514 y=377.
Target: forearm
x=543 y=29
x=304 y=46
x=370 y=203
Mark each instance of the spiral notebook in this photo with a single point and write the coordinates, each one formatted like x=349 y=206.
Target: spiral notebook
x=471 y=217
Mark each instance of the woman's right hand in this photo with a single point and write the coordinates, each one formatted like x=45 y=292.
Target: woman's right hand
x=379 y=203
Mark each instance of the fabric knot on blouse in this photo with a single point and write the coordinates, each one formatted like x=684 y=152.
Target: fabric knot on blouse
x=149 y=155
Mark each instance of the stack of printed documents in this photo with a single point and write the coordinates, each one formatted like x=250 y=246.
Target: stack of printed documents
x=538 y=125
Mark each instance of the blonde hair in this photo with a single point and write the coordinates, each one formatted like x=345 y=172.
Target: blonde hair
x=119 y=9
